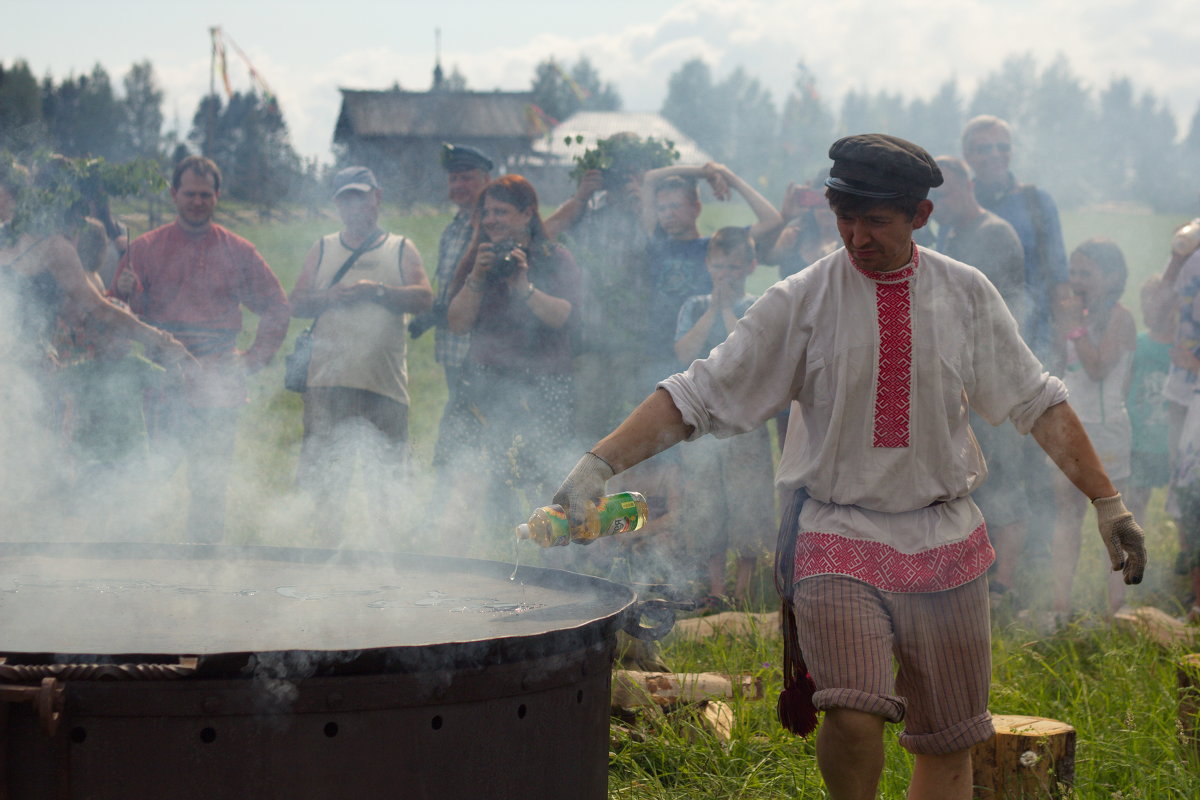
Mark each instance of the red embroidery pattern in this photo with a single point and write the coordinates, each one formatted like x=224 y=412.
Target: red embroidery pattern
x=888 y=569
x=893 y=305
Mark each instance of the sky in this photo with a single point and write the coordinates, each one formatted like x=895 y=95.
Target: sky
x=306 y=50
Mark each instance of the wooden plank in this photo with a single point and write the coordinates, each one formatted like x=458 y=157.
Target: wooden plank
x=632 y=689
x=732 y=623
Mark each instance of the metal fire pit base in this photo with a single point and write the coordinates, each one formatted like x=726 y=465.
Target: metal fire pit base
x=526 y=730
x=202 y=673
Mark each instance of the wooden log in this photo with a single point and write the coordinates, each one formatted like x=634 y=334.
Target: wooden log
x=732 y=623
x=632 y=689
x=1158 y=625
x=1029 y=757
x=717 y=718
x=1189 y=702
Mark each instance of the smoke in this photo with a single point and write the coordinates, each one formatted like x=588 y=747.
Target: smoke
x=30 y=473
x=276 y=676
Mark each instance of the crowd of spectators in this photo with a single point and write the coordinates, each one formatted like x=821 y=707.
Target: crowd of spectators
x=550 y=326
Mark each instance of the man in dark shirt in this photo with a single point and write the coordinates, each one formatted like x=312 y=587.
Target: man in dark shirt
x=467 y=172
x=969 y=233
x=987 y=148
x=601 y=224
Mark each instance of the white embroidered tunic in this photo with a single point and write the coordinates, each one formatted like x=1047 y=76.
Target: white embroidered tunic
x=883 y=366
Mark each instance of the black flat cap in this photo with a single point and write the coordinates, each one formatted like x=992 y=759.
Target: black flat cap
x=458 y=157
x=878 y=165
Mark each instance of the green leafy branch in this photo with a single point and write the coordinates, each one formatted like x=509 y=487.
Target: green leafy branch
x=61 y=194
x=623 y=154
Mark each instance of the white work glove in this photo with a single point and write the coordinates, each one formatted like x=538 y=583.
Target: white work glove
x=1122 y=537
x=584 y=486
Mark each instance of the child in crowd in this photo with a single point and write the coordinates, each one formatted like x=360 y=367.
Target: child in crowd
x=106 y=427
x=1099 y=337
x=1185 y=487
x=1150 y=467
x=729 y=489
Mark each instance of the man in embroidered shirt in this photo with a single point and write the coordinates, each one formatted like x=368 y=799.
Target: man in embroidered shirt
x=191 y=279
x=880 y=342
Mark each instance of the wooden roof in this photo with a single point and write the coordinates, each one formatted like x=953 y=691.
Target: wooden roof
x=448 y=115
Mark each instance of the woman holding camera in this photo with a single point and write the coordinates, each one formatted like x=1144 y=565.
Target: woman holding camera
x=517 y=293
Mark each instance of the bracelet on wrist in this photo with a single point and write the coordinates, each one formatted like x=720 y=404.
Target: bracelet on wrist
x=476 y=286
x=529 y=293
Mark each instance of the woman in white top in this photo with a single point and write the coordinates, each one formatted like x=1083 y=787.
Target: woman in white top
x=1099 y=336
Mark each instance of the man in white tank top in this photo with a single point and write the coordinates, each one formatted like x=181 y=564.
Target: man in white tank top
x=357 y=398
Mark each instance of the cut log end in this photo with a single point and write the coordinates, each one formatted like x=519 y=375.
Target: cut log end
x=1029 y=757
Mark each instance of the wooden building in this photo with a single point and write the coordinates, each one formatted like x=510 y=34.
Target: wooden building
x=399 y=134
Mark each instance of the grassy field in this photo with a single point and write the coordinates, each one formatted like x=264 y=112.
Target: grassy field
x=1118 y=690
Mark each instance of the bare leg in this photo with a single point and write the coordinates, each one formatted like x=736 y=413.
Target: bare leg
x=716 y=574
x=941 y=777
x=1065 y=549
x=745 y=571
x=1116 y=592
x=850 y=753
x=1194 y=574
x=1010 y=543
x=1136 y=500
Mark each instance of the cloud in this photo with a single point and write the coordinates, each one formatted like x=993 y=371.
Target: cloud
x=906 y=46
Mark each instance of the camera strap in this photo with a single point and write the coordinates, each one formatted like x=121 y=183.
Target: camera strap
x=342 y=270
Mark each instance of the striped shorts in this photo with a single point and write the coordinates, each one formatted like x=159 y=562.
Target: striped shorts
x=854 y=636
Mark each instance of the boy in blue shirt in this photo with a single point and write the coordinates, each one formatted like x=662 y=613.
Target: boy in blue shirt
x=729 y=483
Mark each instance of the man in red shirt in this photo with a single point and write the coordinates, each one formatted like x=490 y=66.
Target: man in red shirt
x=191 y=278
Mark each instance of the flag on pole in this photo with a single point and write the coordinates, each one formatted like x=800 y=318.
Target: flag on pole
x=581 y=94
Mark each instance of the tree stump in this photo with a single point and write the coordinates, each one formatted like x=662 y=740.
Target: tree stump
x=1029 y=757
x=1189 y=702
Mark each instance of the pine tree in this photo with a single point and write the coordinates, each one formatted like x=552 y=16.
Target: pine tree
x=21 y=126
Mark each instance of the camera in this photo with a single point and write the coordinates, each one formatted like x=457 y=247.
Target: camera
x=505 y=265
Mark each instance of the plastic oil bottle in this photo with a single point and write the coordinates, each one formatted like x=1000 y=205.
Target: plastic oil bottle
x=615 y=513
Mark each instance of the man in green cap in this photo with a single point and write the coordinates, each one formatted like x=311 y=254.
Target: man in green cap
x=884 y=345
